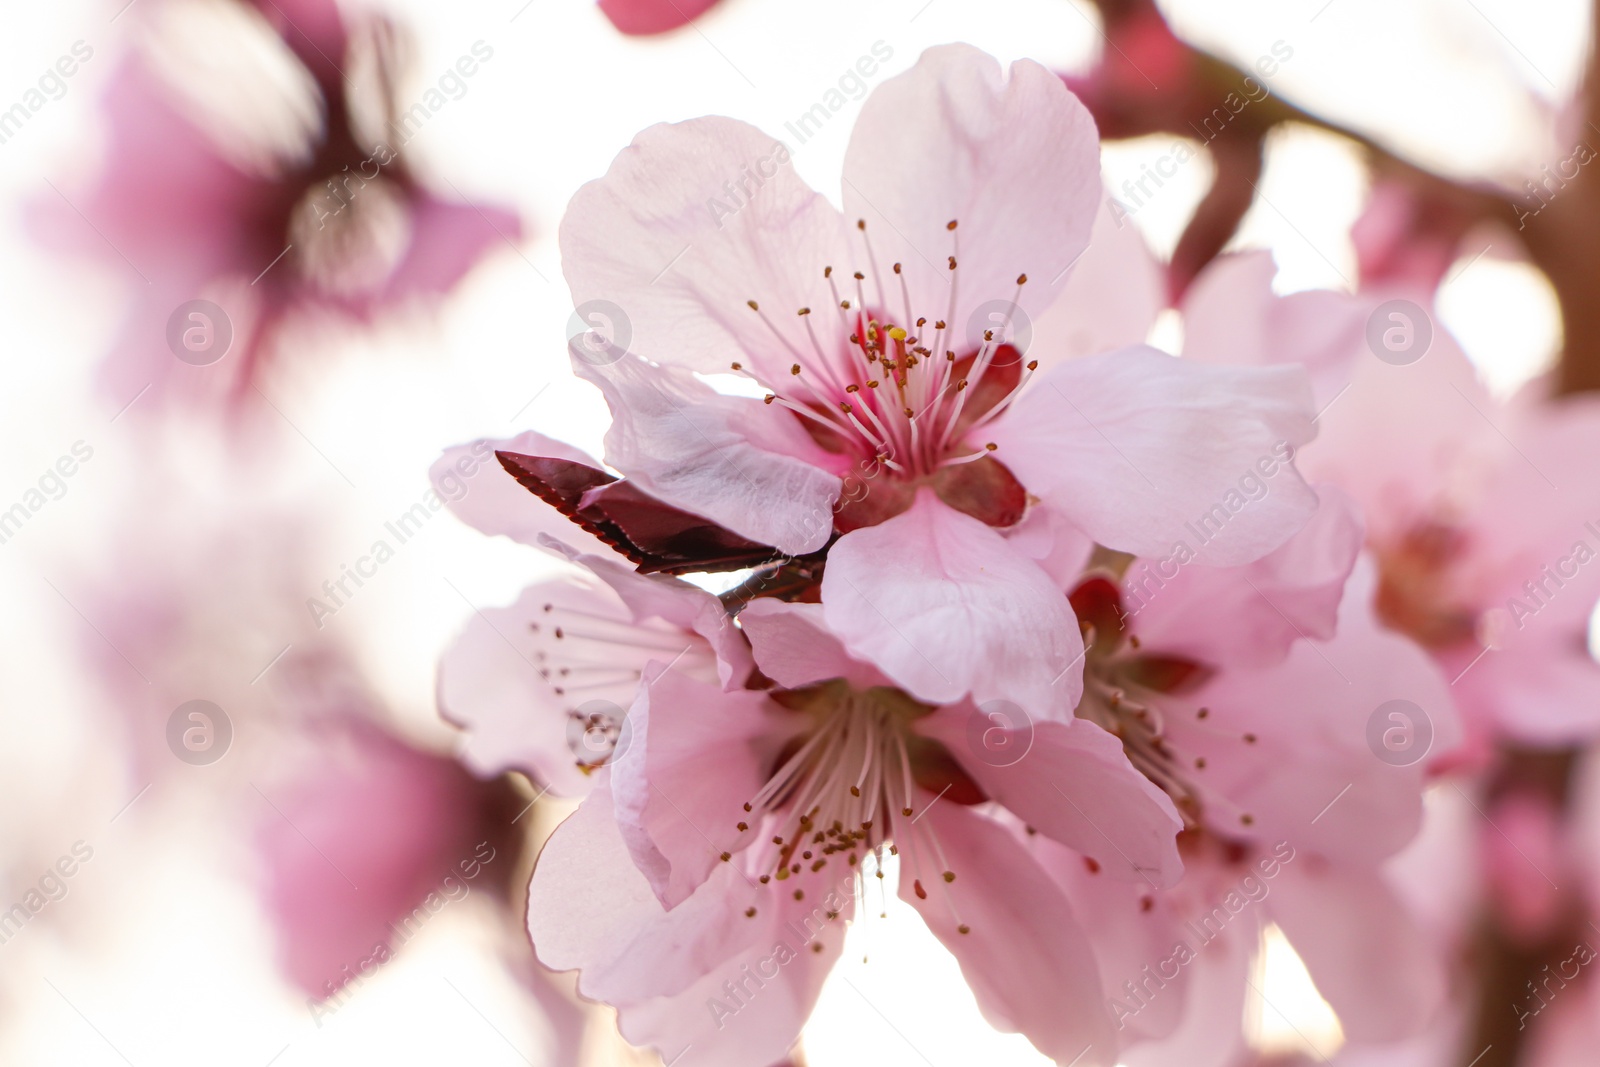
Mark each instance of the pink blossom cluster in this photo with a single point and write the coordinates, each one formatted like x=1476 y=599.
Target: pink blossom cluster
x=1116 y=615
x=1103 y=658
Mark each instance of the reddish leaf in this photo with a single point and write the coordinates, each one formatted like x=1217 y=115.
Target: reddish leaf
x=656 y=536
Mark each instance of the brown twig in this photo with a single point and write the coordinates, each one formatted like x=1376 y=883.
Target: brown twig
x=1558 y=236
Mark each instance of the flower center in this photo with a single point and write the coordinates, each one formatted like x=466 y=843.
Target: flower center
x=592 y=661
x=1117 y=698
x=1414 y=586
x=897 y=388
x=347 y=248
x=1124 y=686
x=843 y=791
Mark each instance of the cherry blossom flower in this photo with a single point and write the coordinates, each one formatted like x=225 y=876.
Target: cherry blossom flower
x=881 y=336
x=745 y=785
x=277 y=189
x=1259 y=729
x=1480 y=513
x=543 y=685
x=722 y=844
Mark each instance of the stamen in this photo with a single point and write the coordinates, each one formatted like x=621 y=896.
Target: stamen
x=1005 y=401
x=795 y=352
x=872 y=258
x=633 y=639
x=905 y=293
x=841 y=306
x=970 y=458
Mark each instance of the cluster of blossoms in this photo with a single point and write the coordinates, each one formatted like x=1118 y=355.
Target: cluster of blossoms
x=1102 y=658
x=910 y=565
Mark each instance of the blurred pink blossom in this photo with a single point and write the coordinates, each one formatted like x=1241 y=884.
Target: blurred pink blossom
x=1247 y=694
x=302 y=205
x=1481 y=514
x=366 y=839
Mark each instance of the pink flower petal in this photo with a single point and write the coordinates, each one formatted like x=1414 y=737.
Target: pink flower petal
x=1362 y=948
x=1073 y=783
x=946 y=607
x=774 y=987
x=591 y=909
x=1544 y=691
x=640 y=18
x=403 y=829
x=1315 y=778
x=1135 y=930
x=1058 y=546
x=481 y=494
x=1231 y=317
x=507 y=677
x=794 y=647
x=1142 y=450
x=1109 y=301
x=1250 y=615
x=447 y=240
x=730 y=459
x=1404 y=439
x=1214 y=988
x=1536 y=537
x=1011 y=156
x=694 y=757
x=1024 y=955
x=692 y=222
x=688 y=607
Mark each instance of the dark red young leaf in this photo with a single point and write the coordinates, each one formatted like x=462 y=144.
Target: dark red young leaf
x=657 y=537
x=793 y=581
